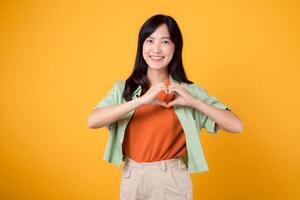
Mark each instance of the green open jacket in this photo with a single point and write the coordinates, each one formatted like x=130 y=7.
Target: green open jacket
x=191 y=120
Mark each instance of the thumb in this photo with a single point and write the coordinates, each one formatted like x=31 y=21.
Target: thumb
x=158 y=102
x=172 y=103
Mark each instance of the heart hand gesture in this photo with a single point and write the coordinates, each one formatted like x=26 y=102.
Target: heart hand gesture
x=183 y=97
x=150 y=96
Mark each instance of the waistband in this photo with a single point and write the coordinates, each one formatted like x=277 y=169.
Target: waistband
x=162 y=164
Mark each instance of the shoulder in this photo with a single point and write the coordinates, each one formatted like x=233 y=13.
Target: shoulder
x=119 y=85
x=194 y=87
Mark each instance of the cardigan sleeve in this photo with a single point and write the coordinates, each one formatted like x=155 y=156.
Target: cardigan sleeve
x=206 y=122
x=110 y=99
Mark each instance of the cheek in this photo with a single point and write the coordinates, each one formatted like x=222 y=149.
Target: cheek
x=145 y=50
x=169 y=50
x=170 y=54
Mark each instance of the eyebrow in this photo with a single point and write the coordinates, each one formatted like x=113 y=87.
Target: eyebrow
x=161 y=38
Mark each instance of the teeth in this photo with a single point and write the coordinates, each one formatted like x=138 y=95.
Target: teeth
x=156 y=57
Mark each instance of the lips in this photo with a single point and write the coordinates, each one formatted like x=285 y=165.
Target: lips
x=157 y=58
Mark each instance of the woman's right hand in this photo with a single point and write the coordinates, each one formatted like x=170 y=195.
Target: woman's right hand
x=150 y=96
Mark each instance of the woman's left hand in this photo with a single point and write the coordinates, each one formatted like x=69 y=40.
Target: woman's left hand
x=183 y=96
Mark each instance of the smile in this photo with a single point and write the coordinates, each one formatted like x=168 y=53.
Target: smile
x=156 y=58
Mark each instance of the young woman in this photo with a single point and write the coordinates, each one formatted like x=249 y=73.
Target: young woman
x=154 y=118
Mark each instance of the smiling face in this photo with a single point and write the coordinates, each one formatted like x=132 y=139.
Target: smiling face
x=158 y=48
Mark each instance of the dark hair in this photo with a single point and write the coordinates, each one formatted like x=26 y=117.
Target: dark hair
x=175 y=67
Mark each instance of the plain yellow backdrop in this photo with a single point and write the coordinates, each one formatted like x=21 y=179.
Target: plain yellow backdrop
x=58 y=59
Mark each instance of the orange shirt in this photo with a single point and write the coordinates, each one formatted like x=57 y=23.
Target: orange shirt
x=154 y=132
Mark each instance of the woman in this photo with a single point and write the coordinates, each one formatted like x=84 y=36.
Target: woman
x=154 y=118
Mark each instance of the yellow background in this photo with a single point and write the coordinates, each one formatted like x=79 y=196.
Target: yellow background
x=58 y=59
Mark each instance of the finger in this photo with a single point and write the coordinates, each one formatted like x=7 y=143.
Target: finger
x=164 y=88
x=158 y=102
x=172 y=103
x=170 y=88
x=177 y=90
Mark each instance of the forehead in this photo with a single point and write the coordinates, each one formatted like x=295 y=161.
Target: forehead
x=161 y=31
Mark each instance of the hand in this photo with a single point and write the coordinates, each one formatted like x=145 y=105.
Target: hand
x=183 y=96
x=150 y=96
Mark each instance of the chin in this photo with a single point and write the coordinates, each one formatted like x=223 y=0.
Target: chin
x=157 y=67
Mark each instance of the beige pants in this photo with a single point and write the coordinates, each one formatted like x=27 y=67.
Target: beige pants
x=161 y=180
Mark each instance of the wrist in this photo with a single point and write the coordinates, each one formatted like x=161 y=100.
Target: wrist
x=139 y=101
x=195 y=103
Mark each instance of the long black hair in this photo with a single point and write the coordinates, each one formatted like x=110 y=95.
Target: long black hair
x=175 y=67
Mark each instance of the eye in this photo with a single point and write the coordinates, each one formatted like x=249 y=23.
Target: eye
x=166 y=42
x=149 y=40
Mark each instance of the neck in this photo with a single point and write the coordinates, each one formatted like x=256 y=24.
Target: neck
x=157 y=76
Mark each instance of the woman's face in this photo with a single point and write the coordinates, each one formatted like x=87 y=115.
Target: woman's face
x=158 y=48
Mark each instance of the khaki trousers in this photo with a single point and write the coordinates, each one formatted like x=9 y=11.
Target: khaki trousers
x=160 y=180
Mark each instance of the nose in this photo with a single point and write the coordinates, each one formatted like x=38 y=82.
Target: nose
x=156 y=47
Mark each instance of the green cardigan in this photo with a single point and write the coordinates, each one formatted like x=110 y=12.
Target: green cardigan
x=191 y=120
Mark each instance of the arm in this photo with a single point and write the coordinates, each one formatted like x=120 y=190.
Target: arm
x=101 y=117
x=226 y=120
x=109 y=111
x=207 y=105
